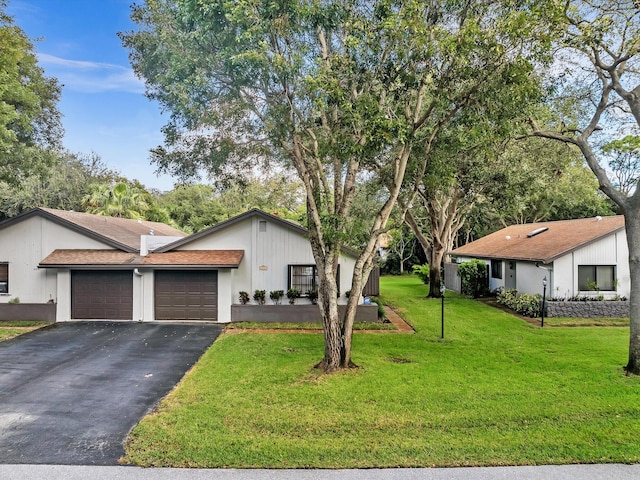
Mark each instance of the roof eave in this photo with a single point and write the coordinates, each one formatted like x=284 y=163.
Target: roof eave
x=130 y=266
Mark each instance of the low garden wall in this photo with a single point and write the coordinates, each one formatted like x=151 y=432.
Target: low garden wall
x=588 y=309
x=295 y=313
x=44 y=312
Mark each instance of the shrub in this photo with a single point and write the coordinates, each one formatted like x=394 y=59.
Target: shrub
x=507 y=297
x=244 y=298
x=313 y=296
x=276 y=296
x=259 y=296
x=422 y=271
x=292 y=294
x=475 y=277
x=14 y=300
x=524 y=304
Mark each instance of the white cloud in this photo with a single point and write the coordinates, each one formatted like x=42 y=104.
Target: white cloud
x=91 y=77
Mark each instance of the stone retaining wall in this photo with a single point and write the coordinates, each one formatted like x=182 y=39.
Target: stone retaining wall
x=589 y=309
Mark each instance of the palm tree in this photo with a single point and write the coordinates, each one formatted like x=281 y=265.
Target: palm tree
x=119 y=200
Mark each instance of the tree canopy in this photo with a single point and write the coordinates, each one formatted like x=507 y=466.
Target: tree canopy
x=29 y=119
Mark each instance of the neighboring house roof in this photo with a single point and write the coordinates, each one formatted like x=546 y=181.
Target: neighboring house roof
x=69 y=258
x=239 y=218
x=541 y=242
x=121 y=233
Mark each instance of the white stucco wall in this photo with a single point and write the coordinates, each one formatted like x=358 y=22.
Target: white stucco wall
x=529 y=278
x=24 y=244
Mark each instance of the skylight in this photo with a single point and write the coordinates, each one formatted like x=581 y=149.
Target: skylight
x=537 y=231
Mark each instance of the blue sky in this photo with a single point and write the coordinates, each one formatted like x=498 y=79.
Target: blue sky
x=103 y=104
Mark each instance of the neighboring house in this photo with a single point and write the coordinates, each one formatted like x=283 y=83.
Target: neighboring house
x=96 y=267
x=578 y=257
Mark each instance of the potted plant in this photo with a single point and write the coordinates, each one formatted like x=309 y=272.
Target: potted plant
x=276 y=296
x=313 y=296
x=244 y=298
x=259 y=296
x=292 y=294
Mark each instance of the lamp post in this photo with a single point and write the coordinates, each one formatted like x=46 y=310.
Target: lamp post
x=442 y=309
x=544 y=294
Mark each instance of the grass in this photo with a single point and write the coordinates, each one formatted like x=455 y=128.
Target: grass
x=495 y=391
x=586 y=322
x=13 y=329
x=304 y=326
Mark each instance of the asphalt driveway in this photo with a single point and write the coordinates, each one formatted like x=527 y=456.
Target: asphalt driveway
x=70 y=393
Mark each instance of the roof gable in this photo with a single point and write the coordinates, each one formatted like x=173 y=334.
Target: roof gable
x=541 y=242
x=121 y=233
x=229 y=223
x=255 y=212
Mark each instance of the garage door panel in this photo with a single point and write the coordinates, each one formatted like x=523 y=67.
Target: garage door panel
x=102 y=295
x=186 y=295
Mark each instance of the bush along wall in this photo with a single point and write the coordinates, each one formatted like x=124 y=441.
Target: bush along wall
x=529 y=305
x=523 y=303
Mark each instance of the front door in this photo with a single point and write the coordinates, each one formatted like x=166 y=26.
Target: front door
x=510 y=280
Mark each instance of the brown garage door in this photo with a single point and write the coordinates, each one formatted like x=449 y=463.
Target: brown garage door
x=102 y=295
x=186 y=295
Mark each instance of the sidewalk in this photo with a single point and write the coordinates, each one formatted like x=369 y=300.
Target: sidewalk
x=565 y=472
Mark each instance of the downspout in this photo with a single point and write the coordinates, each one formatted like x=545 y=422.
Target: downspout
x=551 y=279
x=141 y=276
x=144 y=251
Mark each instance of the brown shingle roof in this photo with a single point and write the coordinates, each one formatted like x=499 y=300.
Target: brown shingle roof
x=87 y=257
x=228 y=258
x=561 y=237
x=115 y=258
x=121 y=230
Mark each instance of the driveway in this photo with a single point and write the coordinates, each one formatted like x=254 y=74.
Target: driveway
x=70 y=393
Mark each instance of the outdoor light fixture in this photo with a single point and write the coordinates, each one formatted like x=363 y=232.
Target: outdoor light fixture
x=544 y=294
x=442 y=309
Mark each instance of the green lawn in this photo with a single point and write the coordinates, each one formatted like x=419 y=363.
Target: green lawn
x=496 y=391
x=580 y=322
x=13 y=329
x=304 y=326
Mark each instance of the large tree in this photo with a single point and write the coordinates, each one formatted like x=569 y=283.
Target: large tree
x=340 y=91
x=30 y=125
x=462 y=163
x=63 y=185
x=195 y=207
x=602 y=38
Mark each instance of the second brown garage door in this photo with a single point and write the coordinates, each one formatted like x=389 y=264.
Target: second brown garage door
x=186 y=295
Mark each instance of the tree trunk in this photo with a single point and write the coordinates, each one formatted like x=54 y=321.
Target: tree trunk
x=632 y=226
x=434 y=272
x=328 y=303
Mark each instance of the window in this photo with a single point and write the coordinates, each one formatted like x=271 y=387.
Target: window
x=262 y=226
x=4 y=278
x=496 y=268
x=596 y=277
x=304 y=278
